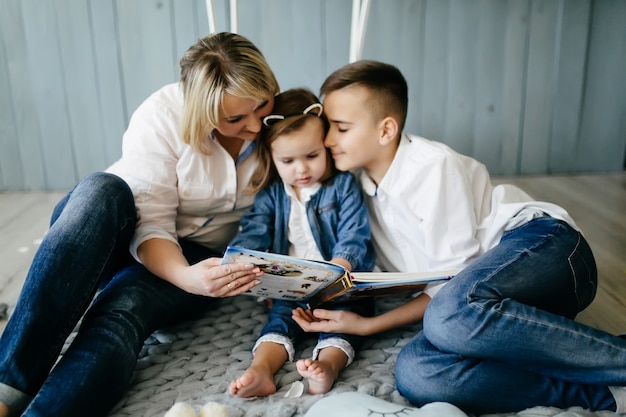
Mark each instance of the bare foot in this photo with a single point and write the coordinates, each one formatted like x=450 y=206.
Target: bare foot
x=5 y=411
x=320 y=375
x=253 y=383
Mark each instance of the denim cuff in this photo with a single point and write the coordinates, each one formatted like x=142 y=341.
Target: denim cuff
x=14 y=399
x=619 y=393
x=277 y=338
x=336 y=342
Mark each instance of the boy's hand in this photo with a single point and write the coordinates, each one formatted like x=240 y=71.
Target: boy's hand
x=329 y=321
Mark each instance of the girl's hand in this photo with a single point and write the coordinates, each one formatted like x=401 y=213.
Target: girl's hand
x=210 y=278
x=330 y=321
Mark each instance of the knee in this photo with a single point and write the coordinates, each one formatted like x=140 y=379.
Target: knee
x=450 y=320
x=417 y=375
x=103 y=187
x=99 y=196
x=445 y=320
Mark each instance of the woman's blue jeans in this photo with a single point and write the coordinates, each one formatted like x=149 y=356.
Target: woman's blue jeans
x=500 y=336
x=86 y=249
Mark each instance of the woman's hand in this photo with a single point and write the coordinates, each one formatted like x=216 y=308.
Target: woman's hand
x=331 y=321
x=210 y=278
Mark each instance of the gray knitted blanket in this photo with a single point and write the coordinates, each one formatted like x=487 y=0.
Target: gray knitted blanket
x=195 y=361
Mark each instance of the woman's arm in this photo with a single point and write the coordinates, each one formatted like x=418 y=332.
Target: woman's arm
x=336 y=321
x=208 y=278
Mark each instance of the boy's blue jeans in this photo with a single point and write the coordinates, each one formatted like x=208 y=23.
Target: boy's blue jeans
x=500 y=337
x=86 y=249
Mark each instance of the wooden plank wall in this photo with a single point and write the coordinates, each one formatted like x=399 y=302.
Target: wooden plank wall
x=525 y=86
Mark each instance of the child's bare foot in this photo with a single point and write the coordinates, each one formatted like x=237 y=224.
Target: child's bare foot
x=320 y=375
x=5 y=411
x=253 y=383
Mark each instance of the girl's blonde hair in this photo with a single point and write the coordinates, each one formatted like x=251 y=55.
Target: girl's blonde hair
x=219 y=64
x=288 y=115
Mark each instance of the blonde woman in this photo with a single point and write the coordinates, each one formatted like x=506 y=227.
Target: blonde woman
x=174 y=199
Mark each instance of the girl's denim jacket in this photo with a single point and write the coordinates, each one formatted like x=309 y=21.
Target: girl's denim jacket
x=336 y=213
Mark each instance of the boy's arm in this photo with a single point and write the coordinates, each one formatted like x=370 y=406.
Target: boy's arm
x=408 y=313
x=339 y=321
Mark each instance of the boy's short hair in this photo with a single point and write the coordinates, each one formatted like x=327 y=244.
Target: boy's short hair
x=387 y=85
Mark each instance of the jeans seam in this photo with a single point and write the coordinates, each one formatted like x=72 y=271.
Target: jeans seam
x=480 y=307
x=497 y=271
x=519 y=254
x=80 y=312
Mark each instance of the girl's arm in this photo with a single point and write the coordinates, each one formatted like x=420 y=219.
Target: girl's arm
x=342 y=262
x=257 y=226
x=336 y=321
x=353 y=249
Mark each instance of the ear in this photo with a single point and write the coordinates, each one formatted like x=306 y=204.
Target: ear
x=389 y=131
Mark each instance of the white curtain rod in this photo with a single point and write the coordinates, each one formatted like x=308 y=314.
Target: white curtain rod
x=210 y=10
x=360 y=15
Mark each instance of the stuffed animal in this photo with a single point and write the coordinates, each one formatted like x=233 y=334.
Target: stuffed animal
x=208 y=410
x=356 y=404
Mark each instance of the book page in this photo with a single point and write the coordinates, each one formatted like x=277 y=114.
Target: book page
x=402 y=277
x=285 y=277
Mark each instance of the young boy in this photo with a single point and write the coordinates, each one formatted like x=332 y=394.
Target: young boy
x=526 y=270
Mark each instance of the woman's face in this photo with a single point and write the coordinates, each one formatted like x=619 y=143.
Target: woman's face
x=240 y=118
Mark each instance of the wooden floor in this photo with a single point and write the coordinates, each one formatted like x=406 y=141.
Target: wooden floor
x=596 y=202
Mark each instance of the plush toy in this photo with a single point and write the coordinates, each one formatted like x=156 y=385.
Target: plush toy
x=356 y=404
x=208 y=410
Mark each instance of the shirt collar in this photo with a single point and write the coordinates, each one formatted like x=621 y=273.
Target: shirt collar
x=305 y=193
x=393 y=172
x=246 y=149
x=369 y=186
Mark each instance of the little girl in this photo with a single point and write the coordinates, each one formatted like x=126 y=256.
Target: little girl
x=303 y=208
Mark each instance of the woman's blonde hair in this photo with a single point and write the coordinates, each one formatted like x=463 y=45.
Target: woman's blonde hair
x=219 y=64
x=291 y=110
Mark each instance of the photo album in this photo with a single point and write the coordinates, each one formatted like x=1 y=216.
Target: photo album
x=318 y=282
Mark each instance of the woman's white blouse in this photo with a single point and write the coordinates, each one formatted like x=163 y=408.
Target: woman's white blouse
x=180 y=193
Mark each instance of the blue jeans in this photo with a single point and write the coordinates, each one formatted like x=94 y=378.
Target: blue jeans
x=86 y=249
x=500 y=336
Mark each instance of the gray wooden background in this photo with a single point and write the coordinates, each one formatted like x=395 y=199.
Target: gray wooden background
x=525 y=86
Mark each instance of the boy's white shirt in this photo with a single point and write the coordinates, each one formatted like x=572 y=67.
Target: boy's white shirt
x=179 y=192
x=436 y=209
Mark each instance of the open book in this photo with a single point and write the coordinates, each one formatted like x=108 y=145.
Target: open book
x=317 y=282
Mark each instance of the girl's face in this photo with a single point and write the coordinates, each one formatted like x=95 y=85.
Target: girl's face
x=300 y=156
x=240 y=118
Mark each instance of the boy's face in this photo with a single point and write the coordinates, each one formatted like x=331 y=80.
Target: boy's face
x=353 y=134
